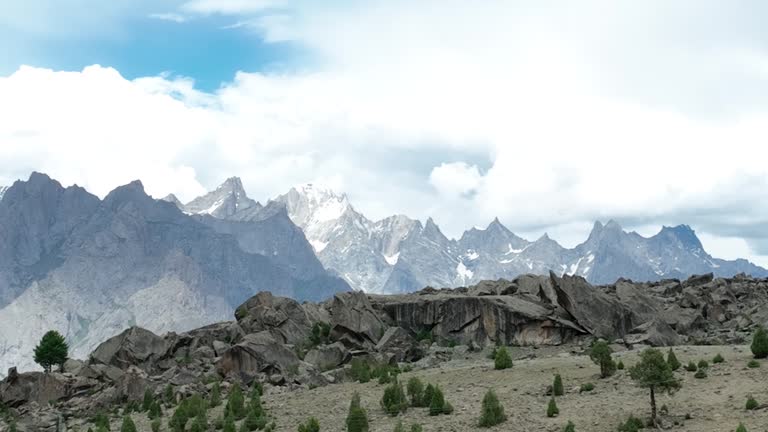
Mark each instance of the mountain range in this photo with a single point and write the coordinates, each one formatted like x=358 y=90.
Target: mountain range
x=400 y=254
x=90 y=267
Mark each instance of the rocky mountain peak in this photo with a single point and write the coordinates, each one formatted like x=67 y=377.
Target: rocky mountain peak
x=223 y=202
x=684 y=235
x=2 y=191
x=171 y=198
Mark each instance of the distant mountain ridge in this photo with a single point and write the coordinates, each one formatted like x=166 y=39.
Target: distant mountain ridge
x=89 y=267
x=400 y=254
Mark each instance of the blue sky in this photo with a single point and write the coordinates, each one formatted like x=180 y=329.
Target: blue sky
x=207 y=49
x=548 y=114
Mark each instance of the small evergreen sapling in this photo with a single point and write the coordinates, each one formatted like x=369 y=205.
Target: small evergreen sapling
x=394 y=401
x=718 y=359
x=570 y=427
x=751 y=404
x=128 y=425
x=552 y=410
x=492 y=412
x=415 y=390
x=741 y=428
x=557 y=386
x=357 y=419
x=654 y=373
x=502 y=360
x=672 y=360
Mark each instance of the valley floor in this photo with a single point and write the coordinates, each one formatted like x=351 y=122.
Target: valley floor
x=715 y=403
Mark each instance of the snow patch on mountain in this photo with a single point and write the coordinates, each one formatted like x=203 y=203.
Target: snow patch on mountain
x=392 y=259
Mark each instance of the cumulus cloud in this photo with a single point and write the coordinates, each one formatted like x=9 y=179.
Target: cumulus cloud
x=547 y=117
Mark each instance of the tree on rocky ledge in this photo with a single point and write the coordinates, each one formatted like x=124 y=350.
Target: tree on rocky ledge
x=654 y=373
x=52 y=350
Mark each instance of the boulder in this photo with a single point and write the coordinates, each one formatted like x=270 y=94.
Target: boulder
x=131 y=385
x=283 y=317
x=133 y=347
x=654 y=333
x=257 y=353
x=354 y=321
x=399 y=343
x=220 y=347
x=600 y=314
x=326 y=357
x=18 y=389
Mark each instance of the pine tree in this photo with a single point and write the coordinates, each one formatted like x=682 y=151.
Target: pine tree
x=438 y=405
x=502 y=359
x=741 y=428
x=236 y=403
x=394 y=401
x=128 y=425
x=557 y=386
x=215 y=398
x=429 y=391
x=601 y=356
x=229 y=424
x=51 y=351
x=492 y=412
x=146 y=404
x=674 y=364
x=155 y=411
x=552 y=410
x=760 y=344
x=357 y=419
x=416 y=392
x=654 y=373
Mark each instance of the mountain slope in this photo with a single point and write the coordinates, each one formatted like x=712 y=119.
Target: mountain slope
x=89 y=268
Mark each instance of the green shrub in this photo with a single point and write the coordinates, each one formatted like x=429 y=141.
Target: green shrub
x=101 y=421
x=601 y=356
x=753 y=364
x=633 y=424
x=146 y=404
x=570 y=427
x=168 y=395
x=502 y=359
x=361 y=370
x=760 y=344
x=751 y=404
x=312 y=425
x=253 y=421
x=415 y=390
x=700 y=374
x=425 y=335
x=215 y=397
x=155 y=411
x=703 y=364
x=588 y=387
x=128 y=425
x=741 y=428
x=229 y=424
x=438 y=405
x=235 y=403
x=321 y=332
x=557 y=386
x=429 y=391
x=492 y=412
x=672 y=360
x=357 y=419
x=718 y=359
x=620 y=365
x=416 y=428
x=691 y=367
x=394 y=400
x=552 y=410
x=155 y=425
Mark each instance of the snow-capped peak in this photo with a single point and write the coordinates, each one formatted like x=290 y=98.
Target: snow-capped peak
x=225 y=201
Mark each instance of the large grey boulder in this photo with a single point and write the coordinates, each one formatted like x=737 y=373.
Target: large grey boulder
x=257 y=353
x=18 y=389
x=399 y=343
x=354 y=322
x=284 y=318
x=326 y=357
x=133 y=347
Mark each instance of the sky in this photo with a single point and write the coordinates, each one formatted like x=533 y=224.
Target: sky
x=547 y=114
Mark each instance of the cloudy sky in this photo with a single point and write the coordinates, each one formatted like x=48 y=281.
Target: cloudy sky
x=547 y=114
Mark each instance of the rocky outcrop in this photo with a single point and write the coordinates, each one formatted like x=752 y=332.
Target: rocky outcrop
x=326 y=357
x=282 y=317
x=258 y=353
x=354 y=322
x=133 y=347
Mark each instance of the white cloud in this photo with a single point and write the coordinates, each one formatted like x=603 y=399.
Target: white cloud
x=173 y=17
x=558 y=116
